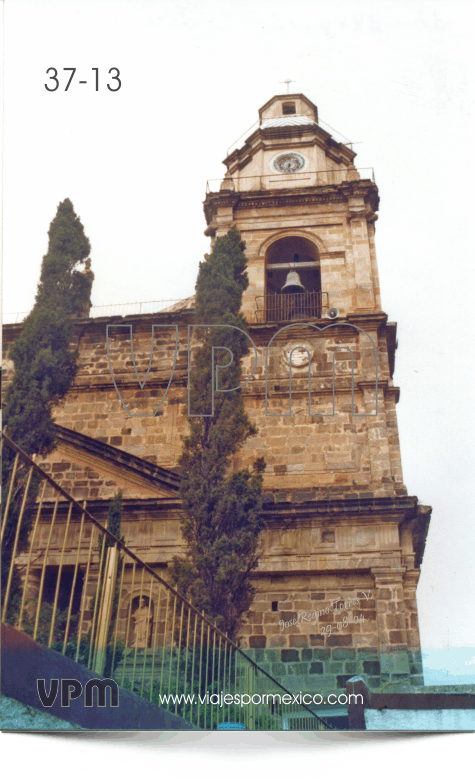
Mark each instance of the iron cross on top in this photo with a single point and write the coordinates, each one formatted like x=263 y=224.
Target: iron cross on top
x=287 y=81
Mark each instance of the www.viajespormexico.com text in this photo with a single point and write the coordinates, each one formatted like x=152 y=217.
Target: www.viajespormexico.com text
x=244 y=699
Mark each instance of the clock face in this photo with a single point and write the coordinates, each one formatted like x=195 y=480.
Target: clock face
x=290 y=162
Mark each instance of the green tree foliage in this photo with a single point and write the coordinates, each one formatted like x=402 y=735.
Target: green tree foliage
x=114 y=519
x=222 y=510
x=45 y=364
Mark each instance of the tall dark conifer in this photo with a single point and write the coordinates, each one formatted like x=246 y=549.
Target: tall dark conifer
x=45 y=363
x=222 y=510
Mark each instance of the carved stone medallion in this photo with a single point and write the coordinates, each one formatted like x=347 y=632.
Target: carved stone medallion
x=300 y=357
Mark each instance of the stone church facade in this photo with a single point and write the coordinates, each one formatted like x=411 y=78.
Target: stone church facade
x=342 y=551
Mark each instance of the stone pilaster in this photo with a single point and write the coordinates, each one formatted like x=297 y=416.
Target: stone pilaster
x=362 y=261
x=412 y=626
x=377 y=432
x=391 y=622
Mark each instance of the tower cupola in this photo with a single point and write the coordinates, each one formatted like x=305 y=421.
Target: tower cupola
x=287 y=111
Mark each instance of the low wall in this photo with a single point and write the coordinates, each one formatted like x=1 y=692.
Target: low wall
x=405 y=711
x=24 y=662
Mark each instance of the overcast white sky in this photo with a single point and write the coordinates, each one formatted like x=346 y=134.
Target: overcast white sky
x=395 y=76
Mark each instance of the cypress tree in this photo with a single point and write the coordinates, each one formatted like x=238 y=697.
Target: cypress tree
x=221 y=519
x=45 y=364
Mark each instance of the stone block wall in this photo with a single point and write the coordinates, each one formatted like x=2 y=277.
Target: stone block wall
x=343 y=453
x=314 y=640
x=83 y=482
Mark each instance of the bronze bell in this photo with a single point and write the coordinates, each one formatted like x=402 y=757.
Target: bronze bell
x=292 y=283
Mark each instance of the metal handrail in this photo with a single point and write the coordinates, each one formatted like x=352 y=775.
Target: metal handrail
x=110 y=309
x=98 y=633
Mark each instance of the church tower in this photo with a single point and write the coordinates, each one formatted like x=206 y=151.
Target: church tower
x=343 y=545
x=336 y=583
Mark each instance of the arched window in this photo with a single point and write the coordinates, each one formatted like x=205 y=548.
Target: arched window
x=293 y=290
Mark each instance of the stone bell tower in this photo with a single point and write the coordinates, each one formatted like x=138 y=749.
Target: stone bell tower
x=341 y=558
x=288 y=191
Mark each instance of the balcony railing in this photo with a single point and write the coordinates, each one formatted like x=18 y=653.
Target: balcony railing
x=72 y=585
x=296 y=306
x=310 y=178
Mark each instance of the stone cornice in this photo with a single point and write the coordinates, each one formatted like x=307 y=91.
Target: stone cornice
x=368 y=321
x=397 y=508
x=287 y=197
x=420 y=528
x=308 y=514
x=156 y=509
x=334 y=150
x=129 y=462
x=324 y=563
x=103 y=381
x=364 y=213
x=257 y=388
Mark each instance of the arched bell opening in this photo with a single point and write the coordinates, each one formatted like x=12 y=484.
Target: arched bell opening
x=293 y=289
